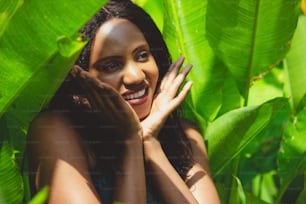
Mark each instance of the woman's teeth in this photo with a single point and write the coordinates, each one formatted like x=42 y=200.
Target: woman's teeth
x=135 y=95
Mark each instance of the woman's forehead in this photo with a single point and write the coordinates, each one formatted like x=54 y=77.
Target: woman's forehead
x=117 y=35
x=119 y=27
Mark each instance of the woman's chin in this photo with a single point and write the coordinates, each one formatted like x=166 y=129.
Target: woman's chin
x=143 y=115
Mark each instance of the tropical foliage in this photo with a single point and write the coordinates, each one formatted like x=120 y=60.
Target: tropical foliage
x=248 y=96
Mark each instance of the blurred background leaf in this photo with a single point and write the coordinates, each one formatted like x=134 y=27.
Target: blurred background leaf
x=251 y=37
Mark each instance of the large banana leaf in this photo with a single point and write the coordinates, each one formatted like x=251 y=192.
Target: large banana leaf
x=32 y=39
x=185 y=34
x=296 y=66
x=251 y=36
x=38 y=46
x=231 y=132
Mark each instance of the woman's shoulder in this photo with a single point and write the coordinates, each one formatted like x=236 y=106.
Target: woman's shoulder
x=52 y=131
x=49 y=121
x=191 y=130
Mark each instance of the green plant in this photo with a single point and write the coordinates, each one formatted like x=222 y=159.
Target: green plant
x=248 y=96
x=39 y=44
x=249 y=92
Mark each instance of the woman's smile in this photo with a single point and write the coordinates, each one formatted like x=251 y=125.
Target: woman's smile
x=135 y=95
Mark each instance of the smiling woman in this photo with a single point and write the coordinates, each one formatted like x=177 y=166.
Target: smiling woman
x=112 y=131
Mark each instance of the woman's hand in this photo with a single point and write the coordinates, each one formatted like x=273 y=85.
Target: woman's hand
x=122 y=124
x=166 y=99
x=113 y=111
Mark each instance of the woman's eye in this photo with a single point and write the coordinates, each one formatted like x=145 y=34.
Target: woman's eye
x=110 y=67
x=142 y=56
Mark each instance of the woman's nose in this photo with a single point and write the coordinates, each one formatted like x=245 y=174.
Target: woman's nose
x=133 y=74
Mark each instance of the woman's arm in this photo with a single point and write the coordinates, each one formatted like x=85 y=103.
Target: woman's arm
x=130 y=175
x=126 y=130
x=199 y=178
x=198 y=187
x=171 y=187
x=57 y=159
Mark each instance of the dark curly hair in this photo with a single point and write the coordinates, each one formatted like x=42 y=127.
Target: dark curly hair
x=172 y=137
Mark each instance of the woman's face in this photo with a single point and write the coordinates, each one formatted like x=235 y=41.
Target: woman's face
x=121 y=57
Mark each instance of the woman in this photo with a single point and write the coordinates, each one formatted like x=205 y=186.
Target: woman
x=112 y=132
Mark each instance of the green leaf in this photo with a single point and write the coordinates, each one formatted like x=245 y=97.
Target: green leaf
x=295 y=65
x=154 y=9
x=7 y=11
x=40 y=197
x=302 y=197
x=267 y=87
x=250 y=198
x=292 y=154
x=264 y=186
x=35 y=63
x=38 y=47
x=11 y=186
x=237 y=193
x=231 y=132
x=29 y=43
x=250 y=36
x=185 y=34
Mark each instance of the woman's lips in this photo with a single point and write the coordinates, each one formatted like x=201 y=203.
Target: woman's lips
x=137 y=98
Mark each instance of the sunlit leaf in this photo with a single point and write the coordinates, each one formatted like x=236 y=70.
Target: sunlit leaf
x=249 y=197
x=40 y=197
x=251 y=36
x=267 y=87
x=29 y=42
x=185 y=34
x=230 y=133
x=7 y=11
x=296 y=65
x=264 y=186
x=154 y=9
x=35 y=63
x=38 y=47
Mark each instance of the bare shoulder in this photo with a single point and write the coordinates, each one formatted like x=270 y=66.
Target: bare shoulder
x=58 y=158
x=48 y=121
x=51 y=138
x=192 y=132
x=198 y=177
x=52 y=133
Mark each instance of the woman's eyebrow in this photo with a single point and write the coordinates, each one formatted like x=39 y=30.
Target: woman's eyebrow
x=142 y=46
x=101 y=60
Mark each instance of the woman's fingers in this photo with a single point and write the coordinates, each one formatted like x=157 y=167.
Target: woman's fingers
x=172 y=73
x=178 y=81
x=182 y=95
x=102 y=97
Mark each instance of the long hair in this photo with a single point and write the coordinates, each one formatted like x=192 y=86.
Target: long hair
x=172 y=136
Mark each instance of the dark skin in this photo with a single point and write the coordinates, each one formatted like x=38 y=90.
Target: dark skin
x=62 y=161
